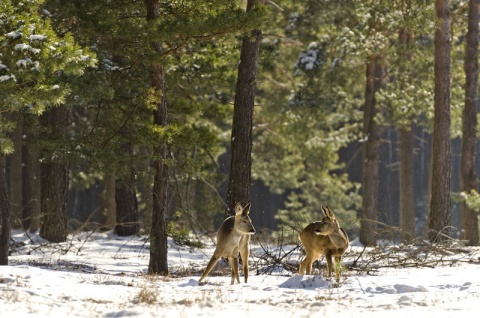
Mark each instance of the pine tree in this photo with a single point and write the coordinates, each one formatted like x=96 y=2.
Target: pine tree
x=308 y=110
x=440 y=202
x=375 y=80
x=241 y=138
x=33 y=61
x=158 y=235
x=469 y=219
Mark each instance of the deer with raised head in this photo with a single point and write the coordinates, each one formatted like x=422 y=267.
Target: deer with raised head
x=233 y=237
x=325 y=238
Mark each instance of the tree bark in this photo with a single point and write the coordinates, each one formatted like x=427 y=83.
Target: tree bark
x=54 y=181
x=5 y=214
x=54 y=224
x=468 y=179
x=440 y=202
x=405 y=136
x=241 y=138
x=158 y=235
x=375 y=76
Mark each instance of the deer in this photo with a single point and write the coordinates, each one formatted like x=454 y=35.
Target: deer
x=233 y=237
x=325 y=238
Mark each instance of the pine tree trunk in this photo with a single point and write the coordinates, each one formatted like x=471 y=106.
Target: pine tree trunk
x=16 y=187
x=241 y=138
x=126 y=199
x=468 y=179
x=5 y=214
x=54 y=202
x=375 y=76
x=405 y=136
x=440 y=207
x=158 y=235
x=54 y=181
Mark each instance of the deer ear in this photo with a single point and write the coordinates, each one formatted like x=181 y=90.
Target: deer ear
x=238 y=208
x=329 y=213
x=324 y=211
x=246 y=209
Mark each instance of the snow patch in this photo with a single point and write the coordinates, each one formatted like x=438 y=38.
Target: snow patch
x=22 y=47
x=23 y=62
x=4 y=78
x=305 y=282
x=37 y=37
x=402 y=288
x=104 y=275
x=396 y=289
x=13 y=35
x=308 y=59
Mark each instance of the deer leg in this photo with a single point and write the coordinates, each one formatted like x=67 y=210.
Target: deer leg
x=211 y=264
x=301 y=268
x=244 y=254
x=234 y=265
x=245 y=269
x=338 y=260
x=328 y=258
x=230 y=260
x=306 y=265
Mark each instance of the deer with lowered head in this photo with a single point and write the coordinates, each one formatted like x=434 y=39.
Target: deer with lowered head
x=233 y=237
x=325 y=238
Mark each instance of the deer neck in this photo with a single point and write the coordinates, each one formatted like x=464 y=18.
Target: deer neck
x=338 y=238
x=236 y=234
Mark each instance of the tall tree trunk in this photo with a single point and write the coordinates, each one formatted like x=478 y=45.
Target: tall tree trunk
x=5 y=214
x=16 y=187
x=405 y=136
x=440 y=207
x=54 y=181
x=158 y=235
x=241 y=139
x=375 y=75
x=468 y=180
x=54 y=224
x=126 y=199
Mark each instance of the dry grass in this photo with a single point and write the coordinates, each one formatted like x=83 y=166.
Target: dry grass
x=146 y=295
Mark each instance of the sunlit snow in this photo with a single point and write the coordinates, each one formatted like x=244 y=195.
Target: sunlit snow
x=103 y=275
x=13 y=35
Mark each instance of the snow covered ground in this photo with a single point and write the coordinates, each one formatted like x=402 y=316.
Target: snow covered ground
x=102 y=275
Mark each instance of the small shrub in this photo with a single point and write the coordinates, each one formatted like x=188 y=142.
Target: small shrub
x=146 y=295
x=181 y=235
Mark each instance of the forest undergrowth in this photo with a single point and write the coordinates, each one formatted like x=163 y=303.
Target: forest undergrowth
x=269 y=255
